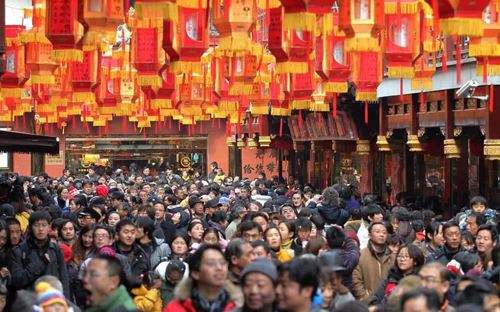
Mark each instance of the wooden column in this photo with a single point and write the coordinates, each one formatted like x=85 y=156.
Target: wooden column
x=2 y=37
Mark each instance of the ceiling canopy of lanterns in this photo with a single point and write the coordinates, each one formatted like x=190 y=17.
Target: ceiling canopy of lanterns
x=195 y=60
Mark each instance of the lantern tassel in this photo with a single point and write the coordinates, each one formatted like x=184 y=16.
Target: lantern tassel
x=281 y=126
x=300 y=120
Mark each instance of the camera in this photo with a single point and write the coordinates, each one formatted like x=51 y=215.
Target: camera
x=467 y=89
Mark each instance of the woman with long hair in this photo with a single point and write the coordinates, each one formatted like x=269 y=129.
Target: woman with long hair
x=408 y=261
x=273 y=237
x=83 y=245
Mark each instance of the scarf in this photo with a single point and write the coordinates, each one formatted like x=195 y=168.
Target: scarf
x=204 y=305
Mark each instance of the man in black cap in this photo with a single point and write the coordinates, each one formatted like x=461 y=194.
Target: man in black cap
x=258 y=282
x=197 y=209
x=333 y=272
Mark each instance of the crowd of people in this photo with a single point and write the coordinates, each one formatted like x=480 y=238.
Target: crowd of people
x=162 y=241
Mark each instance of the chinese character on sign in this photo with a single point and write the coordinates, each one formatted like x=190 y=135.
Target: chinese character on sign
x=247 y=169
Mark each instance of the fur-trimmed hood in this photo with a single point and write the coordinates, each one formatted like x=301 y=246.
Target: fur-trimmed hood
x=183 y=291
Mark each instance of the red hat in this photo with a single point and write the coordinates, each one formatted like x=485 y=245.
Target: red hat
x=72 y=192
x=66 y=251
x=101 y=190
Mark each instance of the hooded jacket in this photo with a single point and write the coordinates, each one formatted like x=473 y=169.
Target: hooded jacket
x=184 y=303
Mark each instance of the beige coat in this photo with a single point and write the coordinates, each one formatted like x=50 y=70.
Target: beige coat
x=370 y=272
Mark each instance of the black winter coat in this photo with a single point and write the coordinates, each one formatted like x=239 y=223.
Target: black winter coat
x=137 y=258
x=29 y=263
x=333 y=214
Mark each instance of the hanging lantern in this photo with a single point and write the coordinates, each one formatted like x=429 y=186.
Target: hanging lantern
x=15 y=75
x=155 y=11
x=300 y=90
x=290 y=46
x=460 y=17
x=332 y=60
x=366 y=74
x=280 y=103
x=84 y=77
x=362 y=21
x=64 y=30
x=486 y=49
x=403 y=35
x=146 y=47
x=185 y=39
x=102 y=18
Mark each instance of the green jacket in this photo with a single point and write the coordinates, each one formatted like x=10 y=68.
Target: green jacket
x=119 y=301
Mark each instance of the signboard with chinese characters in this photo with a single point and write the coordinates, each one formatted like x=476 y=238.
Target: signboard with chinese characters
x=266 y=160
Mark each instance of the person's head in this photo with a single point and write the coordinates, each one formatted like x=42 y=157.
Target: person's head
x=208 y=267
x=239 y=253
x=125 y=233
x=377 y=232
x=316 y=245
x=409 y=258
x=435 y=276
x=39 y=225
x=103 y=275
x=434 y=233
x=179 y=245
x=66 y=231
x=196 y=205
x=486 y=239
x=468 y=241
x=85 y=237
x=394 y=243
x=420 y=300
x=261 y=219
x=159 y=211
x=50 y=299
x=287 y=230
x=452 y=236
x=335 y=237
x=175 y=271
x=297 y=199
x=288 y=212
x=211 y=236
x=373 y=213
x=195 y=231
x=103 y=236
x=474 y=221
x=113 y=218
x=258 y=281
x=297 y=284
x=273 y=237
x=303 y=227
x=478 y=204
x=145 y=228
x=261 y=249
x=88 y=187
x=15 y=232
x=250 y=231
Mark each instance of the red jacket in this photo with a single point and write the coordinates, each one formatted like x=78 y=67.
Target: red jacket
x=187 y=305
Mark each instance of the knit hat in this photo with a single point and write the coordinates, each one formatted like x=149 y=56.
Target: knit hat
x=48 y=295
x=262 y=266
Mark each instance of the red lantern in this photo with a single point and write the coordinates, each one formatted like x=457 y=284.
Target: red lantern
x=84 y=76
x=366 y=74
x=186 y=39
x=14 y=76
x=146 y=50
x=403 y=37
x=291 y=46
x=102 y=18
x=362 y=21
x=460 y=17
x=64 y=30
x=332 y=59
